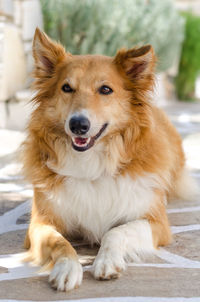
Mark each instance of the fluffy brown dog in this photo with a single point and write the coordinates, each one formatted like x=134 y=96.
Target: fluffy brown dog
x=102 y=159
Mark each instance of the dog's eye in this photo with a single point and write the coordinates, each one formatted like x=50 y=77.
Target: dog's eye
x=105 y=90
x=66 y=88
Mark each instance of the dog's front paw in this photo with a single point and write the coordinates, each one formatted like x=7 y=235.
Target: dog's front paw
x=108 y=266
x=67 y=274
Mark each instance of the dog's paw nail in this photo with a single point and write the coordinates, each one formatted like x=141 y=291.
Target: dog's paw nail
x=107 y=267
x=53 y=284
x=66 y=275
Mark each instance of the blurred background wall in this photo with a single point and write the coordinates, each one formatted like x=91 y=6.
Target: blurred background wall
x=99 y=26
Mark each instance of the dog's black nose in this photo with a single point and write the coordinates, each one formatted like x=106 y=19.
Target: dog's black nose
x=79 y=125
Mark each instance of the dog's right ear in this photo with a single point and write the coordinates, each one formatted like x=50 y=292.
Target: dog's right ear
x=47 y=54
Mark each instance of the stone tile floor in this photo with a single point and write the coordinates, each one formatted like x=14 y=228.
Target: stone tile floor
x=173 y=275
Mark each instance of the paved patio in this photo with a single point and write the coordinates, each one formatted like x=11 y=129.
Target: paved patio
x=173 y=275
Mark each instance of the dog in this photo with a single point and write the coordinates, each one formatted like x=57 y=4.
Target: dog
x=103 y=161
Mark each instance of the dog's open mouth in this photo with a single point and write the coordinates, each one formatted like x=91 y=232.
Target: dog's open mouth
x=81 y=144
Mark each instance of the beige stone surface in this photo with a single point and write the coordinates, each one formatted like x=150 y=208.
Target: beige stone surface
x=3 y=270
x=12 y=242
x=9 y=202
x=184 y=218
x=134 y=282
x=187 y=245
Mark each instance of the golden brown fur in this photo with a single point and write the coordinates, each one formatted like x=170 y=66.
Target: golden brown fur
x=140 y=140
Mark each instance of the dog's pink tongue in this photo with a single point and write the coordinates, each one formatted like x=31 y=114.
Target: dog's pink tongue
x=80 y=140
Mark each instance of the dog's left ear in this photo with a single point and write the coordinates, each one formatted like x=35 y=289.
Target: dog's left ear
x=47 y=53
x=136 y=62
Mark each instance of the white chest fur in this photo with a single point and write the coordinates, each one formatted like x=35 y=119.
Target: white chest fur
x=95 y=206
x=92 y=200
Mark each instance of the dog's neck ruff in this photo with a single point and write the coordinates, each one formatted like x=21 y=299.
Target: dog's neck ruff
x=88 y=165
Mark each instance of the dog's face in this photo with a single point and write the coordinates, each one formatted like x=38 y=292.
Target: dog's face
x=94 y=97
x=90 y=96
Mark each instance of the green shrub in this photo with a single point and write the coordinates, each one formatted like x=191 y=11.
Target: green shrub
x=103 y=26
x=189 y=66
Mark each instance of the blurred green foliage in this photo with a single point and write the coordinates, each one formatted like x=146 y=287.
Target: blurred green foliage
x=103 y=26
x=189 y=66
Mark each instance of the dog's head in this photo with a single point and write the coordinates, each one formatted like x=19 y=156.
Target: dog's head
x=91 y=96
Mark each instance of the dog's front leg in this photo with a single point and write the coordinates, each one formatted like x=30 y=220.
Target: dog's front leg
x=48 y=246
x=131 y=241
